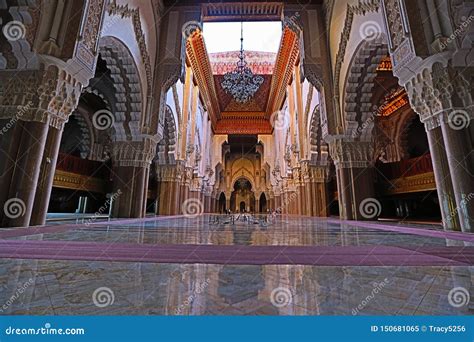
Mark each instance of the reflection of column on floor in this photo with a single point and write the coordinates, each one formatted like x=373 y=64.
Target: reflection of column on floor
x=281 y=286
x=24 y=279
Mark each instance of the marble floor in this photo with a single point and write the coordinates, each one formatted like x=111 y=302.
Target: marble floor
x=205 y=266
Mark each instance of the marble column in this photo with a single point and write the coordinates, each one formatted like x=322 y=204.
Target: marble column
x=444 y=185
x=307 y=196
x=362 y=179
x=163 y=193
x=176 y=198
x=20 y=179
x=324 y=199
x=344 y=193
x=130 y=182
x=301 y=200
x=46 y=176
x=461 y=169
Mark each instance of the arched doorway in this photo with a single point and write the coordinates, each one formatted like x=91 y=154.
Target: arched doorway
x=242 y=198
x=263 y=203
x=222 y=199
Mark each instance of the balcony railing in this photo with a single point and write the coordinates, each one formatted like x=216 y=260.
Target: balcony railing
x=83 y=167
x=408 y=167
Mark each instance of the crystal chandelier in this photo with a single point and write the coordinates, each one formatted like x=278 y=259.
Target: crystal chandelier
x=241 y=83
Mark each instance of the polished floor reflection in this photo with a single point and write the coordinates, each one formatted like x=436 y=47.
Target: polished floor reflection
x=80 y=268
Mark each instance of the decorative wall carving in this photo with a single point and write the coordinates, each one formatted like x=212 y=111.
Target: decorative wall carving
x=359 y=111
x=48 y=95
x=134 y=13
x=128 y=95
x=348 y=154
x=361 y=8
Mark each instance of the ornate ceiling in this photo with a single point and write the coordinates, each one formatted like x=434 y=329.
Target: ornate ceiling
x=228 y=116
x=261 y=63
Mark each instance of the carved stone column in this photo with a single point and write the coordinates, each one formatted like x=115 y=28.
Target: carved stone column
x=131 y=167
x=435 y=72
x=442 y=97
x=37 y=117
x=444 y=185
x=318 y=186
x=46 y=176
x=353 y=162
x=20 y=180
x=170 y=189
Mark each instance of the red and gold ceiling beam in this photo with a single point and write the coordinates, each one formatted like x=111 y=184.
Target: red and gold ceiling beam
x=198 y=58
x=287 y=58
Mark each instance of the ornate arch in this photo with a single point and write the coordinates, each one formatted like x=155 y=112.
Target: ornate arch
x=359 y=113
x=167 y=145
x=248 y=178
x=128 y=93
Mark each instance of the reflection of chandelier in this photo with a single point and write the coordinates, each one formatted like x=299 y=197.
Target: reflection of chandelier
x=241 y=83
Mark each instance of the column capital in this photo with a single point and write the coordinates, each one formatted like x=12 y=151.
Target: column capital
x=348 y=154
x=48 y=95
x=170 y=172
x=440 y=94
x=134 y=153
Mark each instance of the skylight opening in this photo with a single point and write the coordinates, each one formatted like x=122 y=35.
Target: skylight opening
x=258 y=36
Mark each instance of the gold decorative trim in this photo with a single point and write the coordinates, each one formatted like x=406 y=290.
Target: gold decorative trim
x=417 y=183
x=74 y=181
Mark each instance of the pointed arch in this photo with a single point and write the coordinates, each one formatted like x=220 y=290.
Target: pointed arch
x=360 y=81
x=127 y=109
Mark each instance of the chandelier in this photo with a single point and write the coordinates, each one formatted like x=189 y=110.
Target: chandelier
x=241 y=83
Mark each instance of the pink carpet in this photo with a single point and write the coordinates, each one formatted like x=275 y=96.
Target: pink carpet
x=238 y=255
